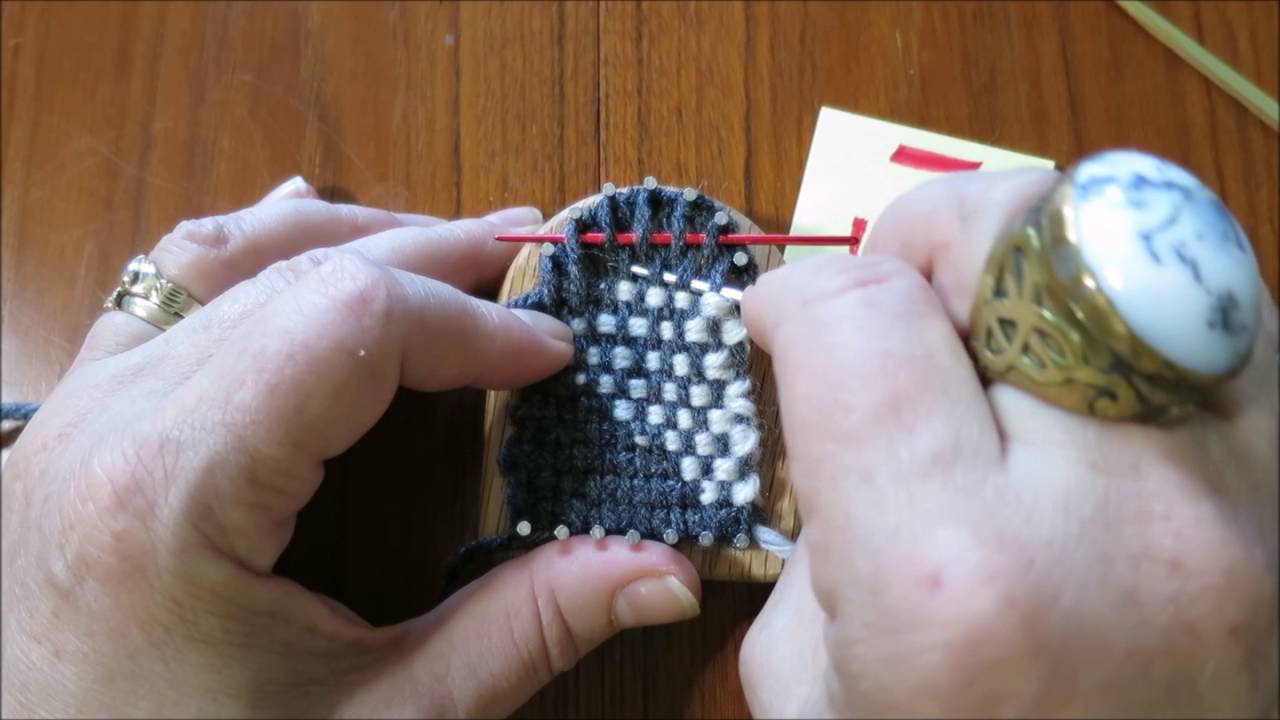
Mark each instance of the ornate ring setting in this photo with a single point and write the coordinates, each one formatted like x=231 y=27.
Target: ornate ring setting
x=147 y=294
x=1128 y=293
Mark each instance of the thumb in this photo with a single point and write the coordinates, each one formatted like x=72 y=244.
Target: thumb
x=496 y=642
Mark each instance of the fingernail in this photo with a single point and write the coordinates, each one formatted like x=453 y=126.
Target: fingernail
x=294 y=187
x=654 y=601
x=418 y=220
x=516 y=217
x=546 y=325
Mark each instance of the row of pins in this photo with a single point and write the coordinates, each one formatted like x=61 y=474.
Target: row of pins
x=705 y=538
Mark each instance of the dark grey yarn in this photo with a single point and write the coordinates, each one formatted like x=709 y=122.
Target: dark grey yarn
x=18 y=412
x=568 y=461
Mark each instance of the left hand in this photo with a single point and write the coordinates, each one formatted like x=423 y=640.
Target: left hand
x=148 y=500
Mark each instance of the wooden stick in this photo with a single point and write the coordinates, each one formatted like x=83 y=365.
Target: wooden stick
x=1222 y=74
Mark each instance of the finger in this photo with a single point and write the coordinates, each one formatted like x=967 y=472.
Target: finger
x=783 y=651
x=209 y=255
x=318 y=365
x=946 y=228
x=494 y=643
x=863 y=351
x=462 y=254
x=292 y=189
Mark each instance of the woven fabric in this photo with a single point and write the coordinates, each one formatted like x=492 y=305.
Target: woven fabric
x=653 y=426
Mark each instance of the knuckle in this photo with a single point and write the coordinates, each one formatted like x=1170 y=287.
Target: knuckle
x=204 y=236
x=876 y=278
x=286 y=273
x=549 y=647
x=358 y=288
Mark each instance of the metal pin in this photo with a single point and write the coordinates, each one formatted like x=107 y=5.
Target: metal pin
x=741 y=259
x=547 y=249
x=690 y=194
x=633 y=537
x=651 y=183
x=698 y=286
x=575 y=213
x=722 y=218
x=523 y=528
x=609 y=189
x=741 y=541
x=670 y=537
x=562 y=532
x=705 y=538
x=597 y=532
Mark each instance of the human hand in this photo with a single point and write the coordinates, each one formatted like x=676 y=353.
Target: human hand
x=147 y=502
x=976 y=551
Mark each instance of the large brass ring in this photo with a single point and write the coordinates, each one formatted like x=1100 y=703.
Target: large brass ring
x=1128 y=293
x=145 y=293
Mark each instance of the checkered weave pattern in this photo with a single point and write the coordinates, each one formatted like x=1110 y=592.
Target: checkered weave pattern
x=652 y=428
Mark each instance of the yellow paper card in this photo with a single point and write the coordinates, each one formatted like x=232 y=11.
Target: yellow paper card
x=858 y=165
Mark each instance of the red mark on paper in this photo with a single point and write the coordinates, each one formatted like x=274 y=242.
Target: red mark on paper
x=859 y=229
x=914 y=157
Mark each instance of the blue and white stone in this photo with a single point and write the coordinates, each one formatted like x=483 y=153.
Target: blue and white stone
x=1170 y=257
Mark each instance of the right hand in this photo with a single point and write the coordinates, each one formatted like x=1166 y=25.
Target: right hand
x=977 y=551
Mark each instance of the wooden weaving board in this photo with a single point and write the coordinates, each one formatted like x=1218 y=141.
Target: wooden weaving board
x=720 y=562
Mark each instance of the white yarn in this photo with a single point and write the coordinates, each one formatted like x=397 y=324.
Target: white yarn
x=690 y=468
x=695 y=330
x=699 y=395
x=606 y=324
x=621 y=357
x=656 y=414
x=684 y=418
x=637 y=326
x=655 y=297
x=653 y=361
x=626 y=290
x=710 y=492
x=726 y=470
x=623 y=410
x=680 y=364
x=704 y=443
x=773 y=541
x=743 y=441
x=719 y=420
x=671 y=441
x=637 y=388
x=746 y=490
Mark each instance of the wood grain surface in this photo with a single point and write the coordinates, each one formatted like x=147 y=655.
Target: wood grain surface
x=120 y=119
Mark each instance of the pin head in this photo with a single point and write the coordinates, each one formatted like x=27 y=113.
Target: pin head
x=739 y=258
x=609 y=189
x=633 y=537
x=690 y=194
x=562 y=532
x=705 y=538
x=597 y=532
x=547 y=249
x=670 y=537
x=651 y=183
x=722 y=218
x=523 y=528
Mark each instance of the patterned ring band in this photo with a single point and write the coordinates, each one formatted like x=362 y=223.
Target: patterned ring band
x=1128 y=293
x=145 y=293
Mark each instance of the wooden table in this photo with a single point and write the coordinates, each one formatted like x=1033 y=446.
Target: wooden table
x=119 y=120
